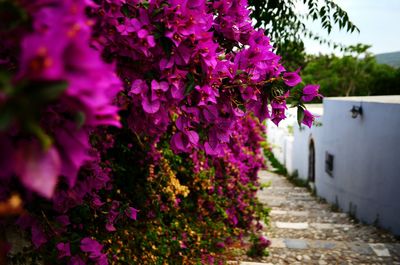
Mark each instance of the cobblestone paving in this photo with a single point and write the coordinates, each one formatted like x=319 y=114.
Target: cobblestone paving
x=305 y=230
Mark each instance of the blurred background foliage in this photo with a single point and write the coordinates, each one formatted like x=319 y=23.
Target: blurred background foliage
x=356 y=73
x=287 y=28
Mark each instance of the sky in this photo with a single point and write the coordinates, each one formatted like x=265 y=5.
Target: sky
x=378 y=21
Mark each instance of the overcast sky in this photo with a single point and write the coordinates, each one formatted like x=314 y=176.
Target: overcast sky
x=378 y=21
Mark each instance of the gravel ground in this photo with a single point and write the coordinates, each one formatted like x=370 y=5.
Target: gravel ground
x=305 y=230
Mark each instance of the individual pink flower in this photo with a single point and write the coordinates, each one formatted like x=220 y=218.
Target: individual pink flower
x=149 y=105
x=278 y=108
x=112 y=216
x=63 y=220
x=138 y=87
x=180 y=142
x=96 y=201
x=38 y=169
x=310 y=92
x=102 y=260
x=76 y=260
x=131 y=213
x=182 y=244
x=263 y=242
x=220 y=244
x=129 y=26
x=38 y=235
x=292 y=78
x=308 y=118
x=64 y=249
x=92 y=247
x=207 y=94
x=163 y=86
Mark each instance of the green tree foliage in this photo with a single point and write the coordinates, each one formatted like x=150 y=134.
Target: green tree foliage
x=355 y=74
x=287 y=28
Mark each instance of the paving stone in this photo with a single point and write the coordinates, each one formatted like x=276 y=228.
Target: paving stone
x=361 y=248
x=298 y=213
x=296 y=243
x=278 y=212
x=285 y=225
x=303 y=198
x=254 y=263
x=339 y=215
x=344 y=226
x=277 y=243
x=306 y=194
x=272 y=203
x=321 y=244
x=380 y=250
x=322 y=225
x=279 y=189
x=273 y=198
x=394 y=249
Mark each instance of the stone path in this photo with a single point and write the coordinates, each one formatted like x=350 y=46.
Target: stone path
x=304 y=230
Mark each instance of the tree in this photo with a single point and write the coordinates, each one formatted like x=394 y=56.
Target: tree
x=355 y=74
x=386 y=80
x=287 y=27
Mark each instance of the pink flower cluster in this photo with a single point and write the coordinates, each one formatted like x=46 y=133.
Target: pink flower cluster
x=193 y=74
x=197 y=66
x=61 y=90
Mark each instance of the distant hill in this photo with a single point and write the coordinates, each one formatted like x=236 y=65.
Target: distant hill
x=390 y=58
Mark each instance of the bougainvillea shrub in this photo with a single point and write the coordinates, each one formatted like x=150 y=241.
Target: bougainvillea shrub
x=131 y=130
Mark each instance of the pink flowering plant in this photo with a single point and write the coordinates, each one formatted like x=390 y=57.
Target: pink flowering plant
x=131 y=130
x=54 y=89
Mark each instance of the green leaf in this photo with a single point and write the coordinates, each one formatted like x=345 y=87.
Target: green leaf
x=53 y=91
x=145 y=4
x=125 y=10
x=300 y=115
x=12 y=15
x=5 y=84
x=41 y=91
x=191 y=83
x=45 y=140
x=294 y=104
x=238 y=72
x=189 y=88
x=190 y=77
x=5 y=118
x=284 y=25
x=80 y=119
x=167 y=45
x=322 y=12
x=157 y=35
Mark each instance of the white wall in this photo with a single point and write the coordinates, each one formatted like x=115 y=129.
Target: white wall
x=290 y=142
x=366 y=173
x=289 y=153
x=301 y=143
x=281 y=139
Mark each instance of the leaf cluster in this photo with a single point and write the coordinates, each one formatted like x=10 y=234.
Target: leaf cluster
x=287 y=27
x=355 y=74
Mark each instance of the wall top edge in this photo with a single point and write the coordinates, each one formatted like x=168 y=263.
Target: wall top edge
x=395 y=99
